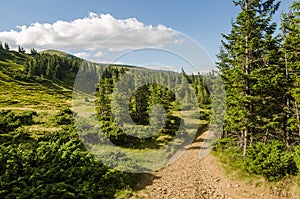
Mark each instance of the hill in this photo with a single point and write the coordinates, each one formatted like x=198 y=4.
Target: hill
x=22 y=90
x=58 y=53
x=41 y=153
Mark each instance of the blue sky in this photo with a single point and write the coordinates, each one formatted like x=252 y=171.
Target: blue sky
x=200 y=20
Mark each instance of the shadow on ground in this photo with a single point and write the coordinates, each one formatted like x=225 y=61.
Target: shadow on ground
x=141 y=181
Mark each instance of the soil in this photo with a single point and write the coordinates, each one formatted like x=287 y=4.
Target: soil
x=197 y=178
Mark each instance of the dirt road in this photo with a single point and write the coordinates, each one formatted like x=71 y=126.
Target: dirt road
x=195 y=178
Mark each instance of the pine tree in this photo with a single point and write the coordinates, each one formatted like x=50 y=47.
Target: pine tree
x=6 y=46
x=33 y=51
x=244 y=54
x=291 y=45
x=140 y=101
x=21 y=50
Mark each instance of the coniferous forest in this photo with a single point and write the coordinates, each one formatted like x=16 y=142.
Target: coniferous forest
x=42 y=155
x=260 y=70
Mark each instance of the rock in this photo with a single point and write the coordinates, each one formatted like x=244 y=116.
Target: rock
x=165 y=191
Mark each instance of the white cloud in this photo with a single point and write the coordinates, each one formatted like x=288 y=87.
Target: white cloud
x=81 y=54
x=157 y=66
x=88 y=33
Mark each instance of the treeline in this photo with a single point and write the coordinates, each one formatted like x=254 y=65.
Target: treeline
x=129 y=97
x=6 y=47
x=51 y=66
x=21 y=50
x=261 y=71
x=43 y=65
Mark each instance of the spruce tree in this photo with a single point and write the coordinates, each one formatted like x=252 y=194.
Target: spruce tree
x=291 y=45
x=6 y=46
x=33 y=51
x=21 y=50
x=245 y=62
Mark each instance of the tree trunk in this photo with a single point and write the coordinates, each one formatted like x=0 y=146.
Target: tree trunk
x=298 y=117
x=247 y=71
x=245 y=143
x=287 y=136
x=266 y=136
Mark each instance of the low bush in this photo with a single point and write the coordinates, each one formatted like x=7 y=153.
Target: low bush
x=228 y=153
x=205 y=115
x=64 y=117
x=10 y=120
x=55 y=165
x=271 y=160
x=297 y=157
x=223 y=144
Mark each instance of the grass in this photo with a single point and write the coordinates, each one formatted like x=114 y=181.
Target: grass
x=47 y=98
x=55 y=52
x=144 y=159
x=37 y=94
x=231 y=163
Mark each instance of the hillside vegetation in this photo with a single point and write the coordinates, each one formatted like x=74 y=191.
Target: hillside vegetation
x=42 y=154
x=44 y=140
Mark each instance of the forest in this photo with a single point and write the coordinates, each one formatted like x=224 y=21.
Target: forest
x=260 y=68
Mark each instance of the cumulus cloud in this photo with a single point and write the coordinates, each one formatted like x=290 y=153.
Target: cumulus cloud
x=89 y=34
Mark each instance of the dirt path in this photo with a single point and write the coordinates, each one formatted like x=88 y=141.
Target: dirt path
x=192 y=177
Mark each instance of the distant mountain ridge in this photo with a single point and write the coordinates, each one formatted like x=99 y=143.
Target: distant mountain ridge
x=58 y=53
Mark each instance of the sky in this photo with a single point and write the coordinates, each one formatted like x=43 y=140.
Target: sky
x=126 y=31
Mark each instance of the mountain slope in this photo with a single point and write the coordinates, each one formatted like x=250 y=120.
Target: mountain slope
x=22 y=90
x=58 y=53
x=41 y=155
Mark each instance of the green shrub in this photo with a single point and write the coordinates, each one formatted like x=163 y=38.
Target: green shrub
x=64 y=117
x=297 y=157
x=223 y=144
x=205 y=115
x=228 y=153
x=26 y=117
x=56 y=165
x=270 y=160
x=10 y=120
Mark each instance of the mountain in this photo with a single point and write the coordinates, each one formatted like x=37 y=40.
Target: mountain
x=58 y=53
x=41 y=155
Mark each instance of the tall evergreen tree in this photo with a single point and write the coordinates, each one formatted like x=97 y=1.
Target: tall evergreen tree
x=6 y=46
x=291 y=45
x=246 y=62
x=21 y=50
x=33 y=51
